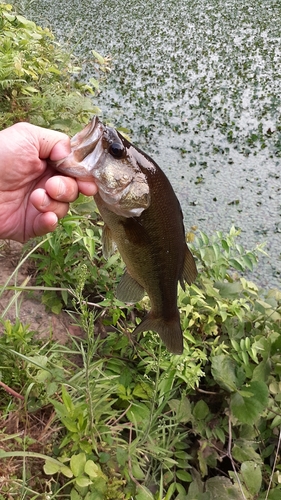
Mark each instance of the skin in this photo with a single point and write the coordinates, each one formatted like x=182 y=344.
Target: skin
x=32 y=197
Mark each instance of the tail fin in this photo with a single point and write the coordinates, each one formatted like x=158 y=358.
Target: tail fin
x=169 y=331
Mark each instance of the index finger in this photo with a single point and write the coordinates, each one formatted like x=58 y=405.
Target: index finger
x=87 y=188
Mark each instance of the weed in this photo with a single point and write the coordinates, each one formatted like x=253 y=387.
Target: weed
x=108 y=416
x=37 y=81
x=144 y=424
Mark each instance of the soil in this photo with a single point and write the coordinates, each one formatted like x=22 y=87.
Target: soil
x=32 y=312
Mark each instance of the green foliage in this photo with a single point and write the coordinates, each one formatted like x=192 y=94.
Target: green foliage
x=15 y=340
x=129 y=420
x=88 y=480
x=36 y=77
x=76 y=245
x=153 y=425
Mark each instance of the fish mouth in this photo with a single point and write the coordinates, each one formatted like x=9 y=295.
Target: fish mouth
x=100 y=154
x=85 y=141
x=85 y=154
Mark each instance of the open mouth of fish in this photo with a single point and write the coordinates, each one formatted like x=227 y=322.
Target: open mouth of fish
x=102 y=154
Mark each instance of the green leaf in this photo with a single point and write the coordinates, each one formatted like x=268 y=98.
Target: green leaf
x=104 y=457
x=94 y=495
x=228 y=289
x=70 y=424
x=94 y=83
x=205 y=238
x=274 y=494
x=126 y=377
x=29 y=89
x=219 y=432
x=201 y=410
x=225 y=245
x=121 y=456
x=143 y=390
x=56 y=308
x=90 y=245
x=248 y=262
x=248 y=409
x=83 y=481
x=166 y=384
x=66 y=471
x=99 y=58
x=143 y=494
x=276 y=346
x=139 y=414
x=221 y=488
x=74 y=495
x=183 y=475
x=92 y=469
x=170 y=492
x=183 y=455
x=252 y=477
x=137 y=470
x=245 y=452
x=276 y=422
x=67 y=399
x=224 y=372
x=196 y=487
x=182 y=408
x=77 y=464
x=262 y=370
x=52 y=468
x=236 y=264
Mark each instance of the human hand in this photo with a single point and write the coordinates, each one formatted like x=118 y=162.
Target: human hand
x=32 y=196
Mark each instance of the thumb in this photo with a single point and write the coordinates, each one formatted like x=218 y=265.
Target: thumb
x=50 y=143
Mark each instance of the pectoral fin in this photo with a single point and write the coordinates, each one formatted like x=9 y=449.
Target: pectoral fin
x=189 y=269
x=108 y=245
x=129 y=290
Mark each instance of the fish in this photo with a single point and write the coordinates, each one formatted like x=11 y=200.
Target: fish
x=142 y=218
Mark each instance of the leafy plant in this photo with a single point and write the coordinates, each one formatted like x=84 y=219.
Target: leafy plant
x=76 y=244
x=115 y=417
x=161 y=426
x=36 y=77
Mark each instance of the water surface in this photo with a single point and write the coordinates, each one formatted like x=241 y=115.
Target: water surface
x=198 y=84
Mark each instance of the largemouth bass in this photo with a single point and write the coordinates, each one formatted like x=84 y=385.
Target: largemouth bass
x=143 y=218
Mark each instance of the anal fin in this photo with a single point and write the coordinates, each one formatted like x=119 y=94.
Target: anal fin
x=189 y=269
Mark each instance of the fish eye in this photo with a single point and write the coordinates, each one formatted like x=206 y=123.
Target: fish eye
x=116 y=149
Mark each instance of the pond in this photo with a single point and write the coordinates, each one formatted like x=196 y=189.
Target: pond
x=198 y=84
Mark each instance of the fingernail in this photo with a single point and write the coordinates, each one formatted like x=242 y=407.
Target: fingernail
x=60 y=188
x=55 y=223
x=45 y=201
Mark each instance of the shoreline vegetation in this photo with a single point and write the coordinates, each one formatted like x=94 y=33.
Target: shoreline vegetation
x=108 y=416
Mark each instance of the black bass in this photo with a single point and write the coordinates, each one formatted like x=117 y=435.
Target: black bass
x=143 y=217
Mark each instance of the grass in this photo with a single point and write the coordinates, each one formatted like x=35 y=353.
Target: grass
x=117 y=417
x=107 y=416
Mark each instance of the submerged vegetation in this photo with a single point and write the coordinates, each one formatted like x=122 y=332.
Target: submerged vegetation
x=109 y=416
